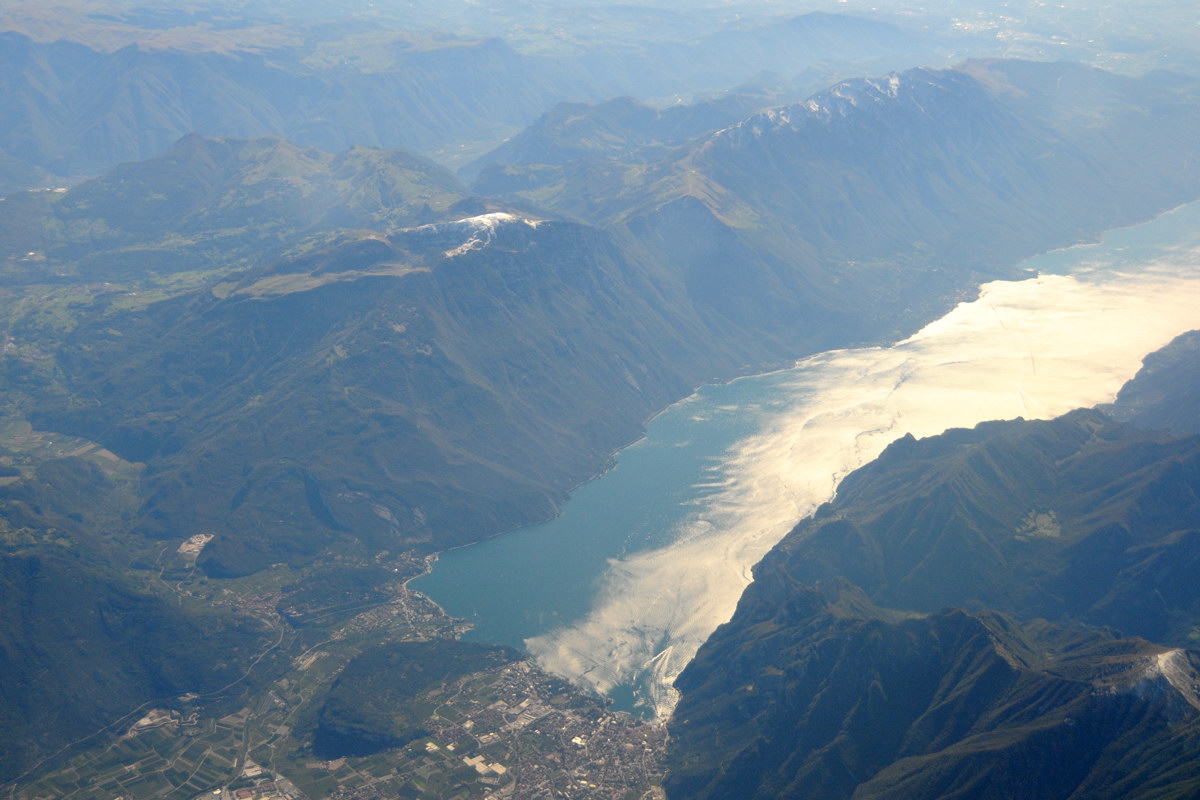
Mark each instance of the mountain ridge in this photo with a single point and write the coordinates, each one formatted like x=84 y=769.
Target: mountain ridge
x=1067 y=544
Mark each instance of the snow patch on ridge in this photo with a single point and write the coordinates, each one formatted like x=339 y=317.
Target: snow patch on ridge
x=475 y=233
x=844 y=100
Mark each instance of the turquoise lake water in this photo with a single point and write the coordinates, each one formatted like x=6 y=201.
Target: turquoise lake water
x=530 y=581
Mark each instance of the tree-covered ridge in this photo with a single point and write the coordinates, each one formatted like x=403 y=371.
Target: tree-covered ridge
x=370 y=707
x=210 y=204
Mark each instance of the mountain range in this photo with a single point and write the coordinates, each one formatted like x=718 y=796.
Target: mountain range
x=82 y=108
x=305 y=362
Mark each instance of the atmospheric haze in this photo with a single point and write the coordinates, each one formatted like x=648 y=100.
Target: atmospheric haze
x=1035 y=349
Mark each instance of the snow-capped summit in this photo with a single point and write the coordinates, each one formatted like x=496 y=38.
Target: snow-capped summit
x=467 y=234
x=921 y=90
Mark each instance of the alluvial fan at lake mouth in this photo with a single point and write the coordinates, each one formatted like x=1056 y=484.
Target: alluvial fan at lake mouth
x=739 y=465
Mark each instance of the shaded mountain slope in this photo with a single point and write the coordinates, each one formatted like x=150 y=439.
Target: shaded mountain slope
x=823 y=695
x=1073 y=519
x=83 y=641
x=80 y=647
x=86 y=641
x=1166 y=391
x=848 y=669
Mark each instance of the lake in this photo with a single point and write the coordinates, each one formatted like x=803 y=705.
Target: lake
x=619 y=591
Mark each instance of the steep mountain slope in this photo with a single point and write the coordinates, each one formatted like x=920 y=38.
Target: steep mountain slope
x=828 y=696
x=83 y=641
x=886 y=190
x=81 y=648
x=1074 y=519
x=845 y=671
x=1166 y=391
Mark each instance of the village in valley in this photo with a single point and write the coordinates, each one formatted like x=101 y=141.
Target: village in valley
x=510 y=731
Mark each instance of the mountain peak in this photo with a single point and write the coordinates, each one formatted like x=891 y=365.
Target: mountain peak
x=920 y=89
x=1172 y=676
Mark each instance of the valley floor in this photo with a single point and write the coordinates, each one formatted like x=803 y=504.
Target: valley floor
x=508 y=732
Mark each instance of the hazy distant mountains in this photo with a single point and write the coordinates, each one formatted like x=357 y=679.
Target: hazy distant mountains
x=76 y=111
x=622 y=128
x=872 y=156
x=884 y=188
x=81 y=111
x=849 y=669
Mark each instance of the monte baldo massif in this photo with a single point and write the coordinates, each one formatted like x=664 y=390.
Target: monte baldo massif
x=260 y=363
